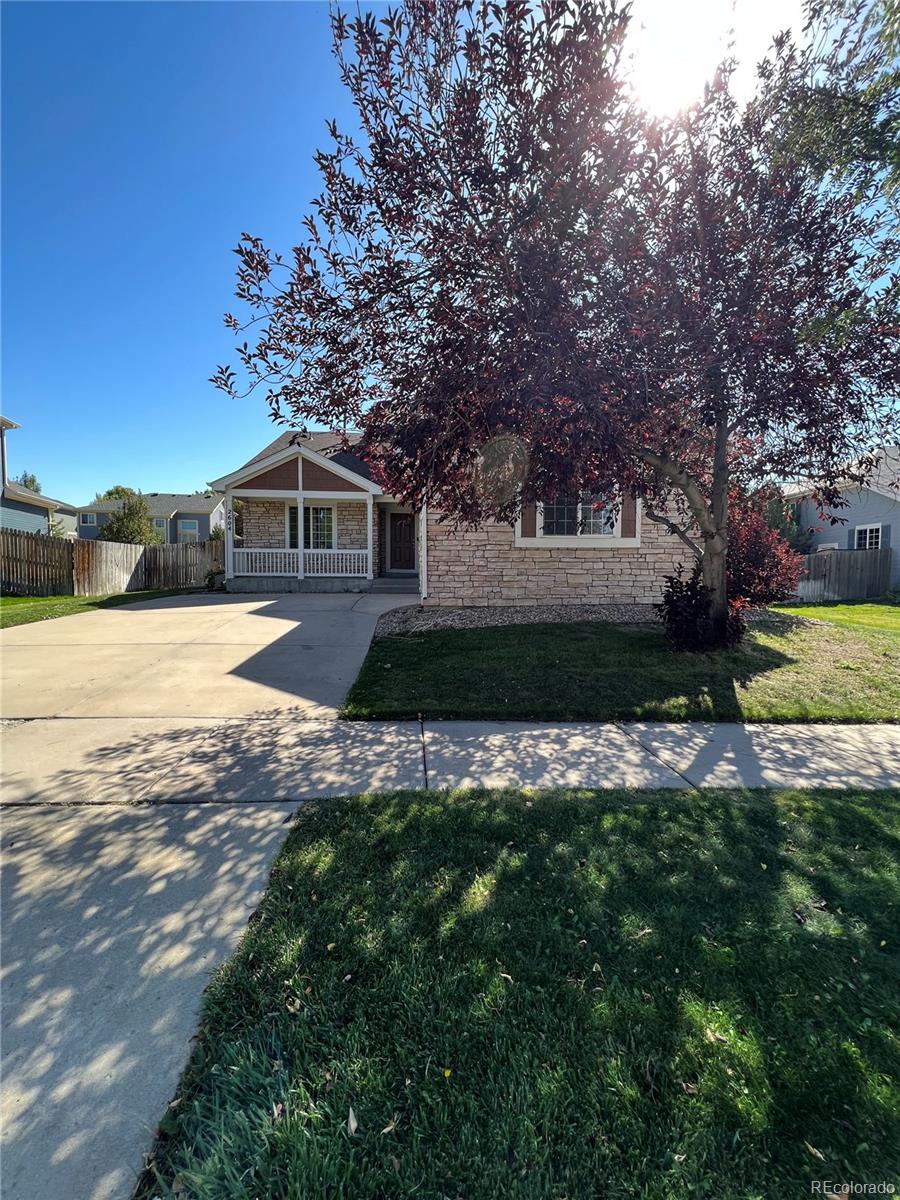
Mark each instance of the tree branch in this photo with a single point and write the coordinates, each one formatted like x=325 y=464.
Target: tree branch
x=651 y=515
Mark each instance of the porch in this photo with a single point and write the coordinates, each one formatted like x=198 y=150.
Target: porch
x=343 y=543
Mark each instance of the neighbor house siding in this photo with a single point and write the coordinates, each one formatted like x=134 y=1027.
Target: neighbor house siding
x=863 y=508
x=90 y=532
x=485 y=567
x=16 y=514
x=205 y=522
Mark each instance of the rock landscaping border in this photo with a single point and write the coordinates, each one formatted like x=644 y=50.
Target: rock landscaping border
x=416 y=619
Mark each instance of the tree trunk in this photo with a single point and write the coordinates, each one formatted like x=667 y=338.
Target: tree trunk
x=715 y=544
x=713 y=575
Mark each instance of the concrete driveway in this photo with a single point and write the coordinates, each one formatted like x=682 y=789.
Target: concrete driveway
x=193 y=656
x=113 y=919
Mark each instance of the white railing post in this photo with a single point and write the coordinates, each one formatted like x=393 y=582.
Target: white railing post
x=369 y=524
x=301 y=549
x=229 y=536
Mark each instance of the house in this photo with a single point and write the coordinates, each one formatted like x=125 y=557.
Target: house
x=870 y=519
x=28 y=511
x=177 y=517
x=352 y=536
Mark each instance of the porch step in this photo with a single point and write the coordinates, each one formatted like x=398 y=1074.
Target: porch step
x=397 y=585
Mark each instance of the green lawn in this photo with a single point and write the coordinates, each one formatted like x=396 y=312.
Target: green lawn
x=22 y=610
x=530 y=995
x=854 y=614
x=599 y=672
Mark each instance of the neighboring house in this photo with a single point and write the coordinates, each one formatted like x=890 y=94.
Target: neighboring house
x=354 y=537
x=28 y=511
x=177 y=517
x=869 y=521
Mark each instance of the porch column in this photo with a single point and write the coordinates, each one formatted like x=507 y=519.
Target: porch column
x=370 y=507
x=229 y=535
x=302 y=566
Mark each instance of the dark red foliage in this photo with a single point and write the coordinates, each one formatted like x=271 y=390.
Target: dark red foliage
x=510 y=250
x=762 y=567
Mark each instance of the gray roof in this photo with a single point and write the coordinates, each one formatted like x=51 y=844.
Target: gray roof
x=162 y=504
x=320 y=442
x=884 y=479
x=15 y=491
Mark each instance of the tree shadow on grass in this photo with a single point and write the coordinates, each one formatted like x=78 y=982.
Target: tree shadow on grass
x=568 y=994
x=573 y=672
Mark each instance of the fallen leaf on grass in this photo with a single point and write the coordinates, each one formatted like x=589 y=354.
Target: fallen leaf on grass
x=814 y=1152
x=392 y=1124
x=352 y=1123
x=292 y=1004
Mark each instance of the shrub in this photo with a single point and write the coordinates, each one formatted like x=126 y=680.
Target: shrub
x=131 y=523
x=762 y=567
x=684 y=610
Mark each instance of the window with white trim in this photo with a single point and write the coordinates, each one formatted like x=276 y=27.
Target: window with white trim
x=188 y=530
x=318 y=527
x=868 y=537
x=88 y=518
x=591 y=516
x=160 y=524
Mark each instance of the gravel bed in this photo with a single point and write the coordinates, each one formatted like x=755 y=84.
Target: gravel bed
x=415 y=619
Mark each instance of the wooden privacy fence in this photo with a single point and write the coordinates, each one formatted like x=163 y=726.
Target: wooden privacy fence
x=33 y=564
x=845 y=574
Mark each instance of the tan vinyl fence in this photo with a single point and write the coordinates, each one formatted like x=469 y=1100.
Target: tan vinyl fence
x=33 y=564
x=845 y=574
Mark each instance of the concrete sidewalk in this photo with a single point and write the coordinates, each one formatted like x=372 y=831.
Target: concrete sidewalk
x=279 y=757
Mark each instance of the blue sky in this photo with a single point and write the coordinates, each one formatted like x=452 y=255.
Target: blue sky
x=139 y=140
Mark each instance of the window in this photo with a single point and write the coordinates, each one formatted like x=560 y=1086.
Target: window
x=591 y=516
x=188 y=530
x=868 y=537
x=161 y=525
x=318 y=528
x=88 y=518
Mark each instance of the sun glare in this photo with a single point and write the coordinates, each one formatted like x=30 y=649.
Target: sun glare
x=676 y=47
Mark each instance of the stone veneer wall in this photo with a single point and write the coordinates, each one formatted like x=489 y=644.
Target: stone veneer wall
x=264 y=526
x=351 y=527
x=485 y=568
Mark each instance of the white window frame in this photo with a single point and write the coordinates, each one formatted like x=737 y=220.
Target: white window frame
x=301 y=526
x=580 y=541
x=196 y=531
x=866 y=529
x=87 y=519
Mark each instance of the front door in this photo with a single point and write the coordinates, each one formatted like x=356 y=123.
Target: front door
x=403 y=542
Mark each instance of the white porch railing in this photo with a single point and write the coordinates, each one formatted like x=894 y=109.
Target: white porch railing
x=287 y=562
x=266 y=562
x=336 y=562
